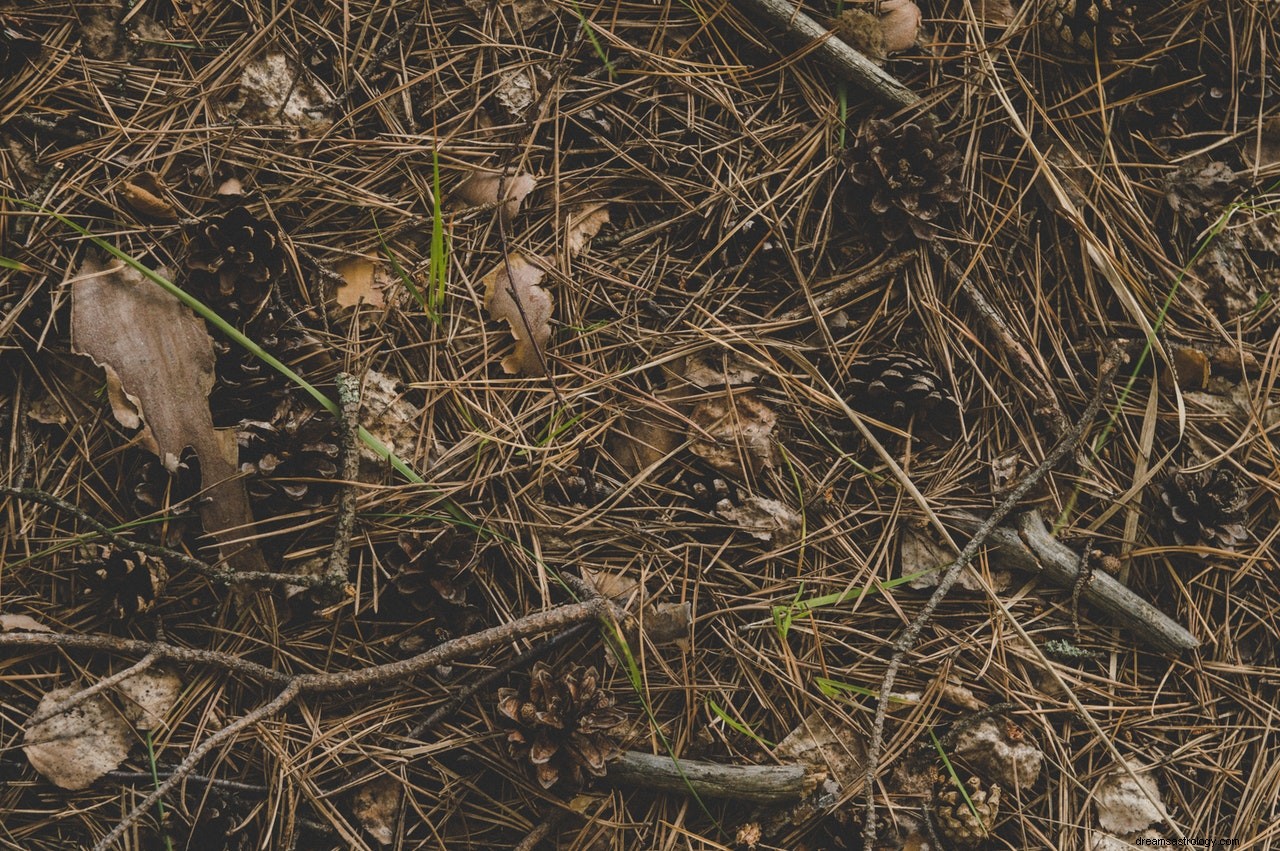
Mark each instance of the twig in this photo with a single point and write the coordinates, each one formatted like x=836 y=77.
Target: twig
x=909 y=635
x=283 y=699
x=767 y=784
x=852 y=284
x=218 y=574
x=348 y=430
x=540 y=832
x=97 y=688
x=229 y=785
x=846 y=62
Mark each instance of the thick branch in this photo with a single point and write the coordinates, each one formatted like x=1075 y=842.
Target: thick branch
x=766 y=784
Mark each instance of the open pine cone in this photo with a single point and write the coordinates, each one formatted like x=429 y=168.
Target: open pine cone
x=152 y=489
x=289 y=459
x=896 y=386
x=1206 y=507
x=127 y=581
x=426 y=567
x=1077 y=27
x=562 y=723
x=906 y=175
x=956 y=822
x=235 y=257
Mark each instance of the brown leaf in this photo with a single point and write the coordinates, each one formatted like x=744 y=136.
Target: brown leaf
x=482 y=187
x=1262 y=151
x=148 y=695
x=390 y=417
x=994 y=13
x=616 y=586
x=376 y=806
x=146 y=194
x=900 y=20
x=639 y=444
x=733 y=431
x=74 y=748
x=512 y=295
x=363 y=282
x=763 y=518
x=921 y=552
x=668 y=623
x=526 y=12
x=159 y=360
x=583 y=224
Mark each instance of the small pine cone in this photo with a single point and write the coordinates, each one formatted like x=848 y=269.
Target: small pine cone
x=1206 y=507
x=1172 y=97
x=906 y=175
x=129 y=582
x=289 y=460
x=562 y=723
x=235 y=257
x=1078 y=27
x=426 y=568
x=897 y=386
x=956 y=822
x=706 y=488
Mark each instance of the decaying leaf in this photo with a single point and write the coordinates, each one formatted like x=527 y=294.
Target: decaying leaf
x=148 y=695
x=734 y=431
x=526 y=13
x=826 y=741
x=376 y=806
x=482 y=187
x=763 y=518
x=74 y=748
x=516 y=92
x=716 y=368
x=147 y=195
x=512 y=295
x=1001 y=753
x=616 y=586
x=638 y=444
x=1262 y=151
x=364 y=282
x=389 y=416
x=583 y=224
x=21 y=623
x=275 y=90
x=668 y=623
x=994 y=13
x=1120 y=804
x=921 y=552
x=159 y=363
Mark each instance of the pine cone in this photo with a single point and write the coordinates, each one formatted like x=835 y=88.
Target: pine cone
x=1077 y=27
x=152 y=489
x=954 y=819
x=1206 y=507
x=706 y=488
x=1172 y=98
x=235 y=257
x=289 y=459
x=562 y=723
x=897 y=386
x=129 y=582
x=906 y=175
x=426 y=568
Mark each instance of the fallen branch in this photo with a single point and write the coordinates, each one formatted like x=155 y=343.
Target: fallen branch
x=349 y=429
x=1031 y=547
x=766 y=784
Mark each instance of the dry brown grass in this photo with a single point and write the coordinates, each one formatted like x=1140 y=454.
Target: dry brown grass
x=701 y=130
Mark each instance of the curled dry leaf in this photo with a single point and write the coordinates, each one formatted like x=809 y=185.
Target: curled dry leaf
x=147 y=195
x=364 y=282
x=734 y=431
x=583 y=224
x=21 y=623
x=512 y=295
x=148 y=695
x=1120 y=804
x=159 y=363
x=74 y=748
x=638 y=444
x=826 y=741
x=994 y=13
x=616 y=586
x=763 y=518
x=482 y=187
x=376 y=806
x=668 y=623
x=274 y=89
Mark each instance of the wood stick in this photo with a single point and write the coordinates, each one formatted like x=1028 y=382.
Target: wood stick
x=1032 y=548
x=766 y=784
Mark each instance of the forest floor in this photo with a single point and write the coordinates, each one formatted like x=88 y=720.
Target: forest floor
x=684 y=366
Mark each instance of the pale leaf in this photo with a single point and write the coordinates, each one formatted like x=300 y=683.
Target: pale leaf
x=481 y=190
x=364 y=282
x=583 y=224
x=376 y=806
x=148 y=695
x=512 y=295
x=74 y=748
x=21 y=623
x=733 y=432
x=1120 y=803
x=900 y=20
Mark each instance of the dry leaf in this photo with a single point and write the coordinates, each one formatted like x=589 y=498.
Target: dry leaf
x=388 y=416
x=716 y=368
x=994 y=13
x=376 y=806
x=583 y=224
x=668 y=623
x=74 y=748
x=900 y=20
x=1120 y=804
x=616 y=586
x=637 y=445
x=987 y=748
x=482 y=187
x=1192 y=368
x=364 y=282
x=921 y=552
x=825 y=741
x=515 y=92
x=148 y=695
x=21 y=623
x=512 y=295
x=274 y=90
x=734 y=431
x=146 y=194
x=1262 y=151
x=159 y=362
x=763 y=518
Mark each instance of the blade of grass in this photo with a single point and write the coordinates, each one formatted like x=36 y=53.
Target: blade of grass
x=737 y=725
x=401 y=273
x=836 y=688
x=955 y=779
x=439 y=263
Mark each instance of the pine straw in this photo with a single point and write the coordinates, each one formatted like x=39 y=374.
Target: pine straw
x=721 y=168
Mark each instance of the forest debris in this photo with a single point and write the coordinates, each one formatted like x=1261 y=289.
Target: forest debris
x=892 y=28
x=376 y=805
x=1262 y=151
x=526 y=12
x=515 y=92
x=1200 y=190
x=364 y=282
x=147 y=696
x=72 y=749
x=668 y=623
x=999 y=751
x=826 y=741
x=734 y=432
x=512 y=295
x=716 y=368
x=638 y=444
x=21 y=623
x=390 y=417
x=274 y=90
x=993 y=13
x=616 y=586
x=147 y=195
x=763 y=518
x=1120 y=803
x=767 y=784
x=482 y=187
x=900 y=20
x=159 y=374
x=920 y=552
x=582 y=224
